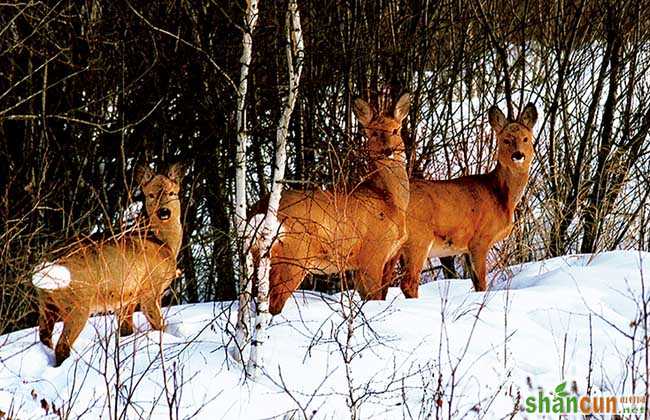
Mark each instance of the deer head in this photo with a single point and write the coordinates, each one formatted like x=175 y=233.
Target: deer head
x=514 y=138
x=161 y=201
x=383 y=128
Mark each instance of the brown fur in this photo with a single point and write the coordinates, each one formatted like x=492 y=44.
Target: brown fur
x=120 y=272
x=332 y=231
x=471 y=213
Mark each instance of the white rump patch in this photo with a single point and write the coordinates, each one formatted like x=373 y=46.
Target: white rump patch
x=51 y=276
x=256 y=226
x=276 y=228
x=254 y=230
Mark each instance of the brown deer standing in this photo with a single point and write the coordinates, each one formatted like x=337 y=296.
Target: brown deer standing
x=117 y=273
x=330 y=231
x=471 y=213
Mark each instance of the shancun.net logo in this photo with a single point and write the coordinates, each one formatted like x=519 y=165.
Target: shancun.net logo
x=562 y=402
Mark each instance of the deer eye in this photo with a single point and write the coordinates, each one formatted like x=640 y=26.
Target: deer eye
x=506 y=141
x=395 y=131
x=525 y=139
x=150 y=195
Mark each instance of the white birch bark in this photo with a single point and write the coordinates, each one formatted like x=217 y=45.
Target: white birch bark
x=242 y=333
x=295 y=49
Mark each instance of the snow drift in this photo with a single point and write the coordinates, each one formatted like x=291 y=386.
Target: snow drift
x=452 y=351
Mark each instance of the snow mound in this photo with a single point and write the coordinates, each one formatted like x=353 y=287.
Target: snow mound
x=452 y=353
x=51 y=276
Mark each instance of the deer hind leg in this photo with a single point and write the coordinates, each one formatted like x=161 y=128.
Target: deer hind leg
x=125 y=318
x=415 y=255
x=73 y=323
x=284 y=279
x=49 y=314
x=478 y=258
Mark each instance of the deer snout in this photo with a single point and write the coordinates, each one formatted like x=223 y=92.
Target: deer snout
x=388 y=152
x=164 y=213
x=518 y=157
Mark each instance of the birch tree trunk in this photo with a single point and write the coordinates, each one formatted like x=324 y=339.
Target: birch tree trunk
x=295 y=48
x=242 y=333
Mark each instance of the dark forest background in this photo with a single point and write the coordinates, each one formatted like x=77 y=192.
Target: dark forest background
x=89 y=88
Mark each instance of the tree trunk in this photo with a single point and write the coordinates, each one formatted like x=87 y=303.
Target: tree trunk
x=295 y=48
x=600 y=179
x=242 y=333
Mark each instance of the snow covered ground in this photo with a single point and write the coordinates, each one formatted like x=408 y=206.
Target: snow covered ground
x=452 y=351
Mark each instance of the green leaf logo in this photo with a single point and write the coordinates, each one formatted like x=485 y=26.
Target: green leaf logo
x=559 y=390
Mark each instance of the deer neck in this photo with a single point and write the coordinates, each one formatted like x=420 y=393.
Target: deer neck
x=391 y=177
x=510 y=185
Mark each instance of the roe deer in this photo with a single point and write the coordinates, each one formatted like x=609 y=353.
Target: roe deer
x=117 y=273
x=331 y=231
x=471 y=213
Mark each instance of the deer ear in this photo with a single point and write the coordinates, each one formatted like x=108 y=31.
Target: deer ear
x=496 y=118
x=528 y=116
x=176 y=172
x=402 y=107
x=143 y=174
x=363 y=111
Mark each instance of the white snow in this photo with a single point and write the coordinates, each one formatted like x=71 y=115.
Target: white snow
x=51 y=276
x=453 y=350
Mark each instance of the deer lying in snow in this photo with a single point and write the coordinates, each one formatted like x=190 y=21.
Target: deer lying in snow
x=117 y=273
x=471 y=213
x=332 y=231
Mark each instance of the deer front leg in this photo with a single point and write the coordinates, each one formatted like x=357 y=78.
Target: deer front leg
x=370 y=282
x=388 y=276
x=125 y=317
x=478 y=258
x=415 y=255
x=153 y=312
x=73 y=323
